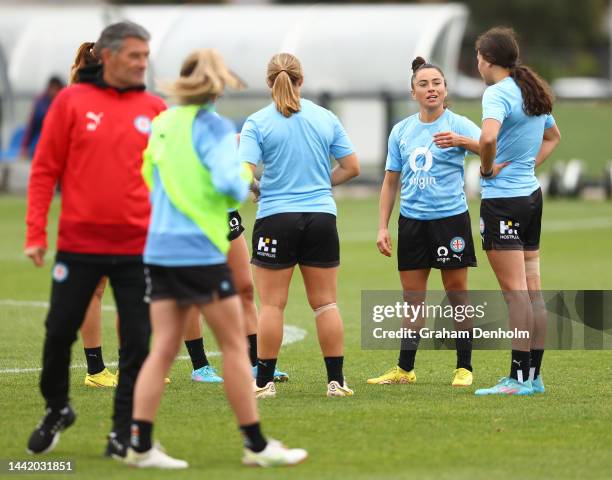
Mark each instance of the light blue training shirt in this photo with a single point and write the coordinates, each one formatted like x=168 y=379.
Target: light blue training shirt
x=431 y=177
x=295 y=152
x=518 y=142
x=174 y=239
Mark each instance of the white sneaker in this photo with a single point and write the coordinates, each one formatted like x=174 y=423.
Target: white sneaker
x=154 y=458
x=334 y=389
x=274 y=455
x=269 y=391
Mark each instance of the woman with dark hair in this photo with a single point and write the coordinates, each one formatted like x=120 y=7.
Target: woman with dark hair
x=85 y=64
x=85 y=68
x=426 y=156
x=85 y=58
x=518 y=134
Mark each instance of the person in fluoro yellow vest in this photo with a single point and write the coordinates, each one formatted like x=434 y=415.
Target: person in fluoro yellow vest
x=192 y=169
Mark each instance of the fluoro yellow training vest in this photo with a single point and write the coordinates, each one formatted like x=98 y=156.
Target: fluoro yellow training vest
x=186 y=181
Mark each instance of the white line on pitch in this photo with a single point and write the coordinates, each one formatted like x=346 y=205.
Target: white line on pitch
x=37 y=304
x=291 y=334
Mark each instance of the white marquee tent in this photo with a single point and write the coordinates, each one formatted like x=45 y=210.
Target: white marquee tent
x=344 y=50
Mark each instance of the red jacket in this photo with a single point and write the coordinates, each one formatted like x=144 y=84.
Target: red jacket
x=92 y=142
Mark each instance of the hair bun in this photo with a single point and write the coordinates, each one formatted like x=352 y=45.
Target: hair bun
x=417 y=62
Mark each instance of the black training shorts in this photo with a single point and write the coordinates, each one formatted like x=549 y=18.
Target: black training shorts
x=286 y=239
x=444 y=243
x=511 y=223
x=196 y=285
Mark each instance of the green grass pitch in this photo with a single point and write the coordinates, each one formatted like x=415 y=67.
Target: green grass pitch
x=422 y=431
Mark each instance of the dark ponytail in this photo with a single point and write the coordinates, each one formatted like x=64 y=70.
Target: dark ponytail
x=537 y=95
x=499 y=47
x=85 y=57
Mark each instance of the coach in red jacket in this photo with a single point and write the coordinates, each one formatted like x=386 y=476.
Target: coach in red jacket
x=91 y=143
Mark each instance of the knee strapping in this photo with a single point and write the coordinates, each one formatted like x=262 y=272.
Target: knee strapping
x=532 y=267
x=324 y=308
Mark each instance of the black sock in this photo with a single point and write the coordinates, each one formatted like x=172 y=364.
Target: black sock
x=519 y=368
x=265 y=371
x=253 y=438
x=196 y=352
x=252 y=339
x=464 y=353
x=334 y=369
x=57 y=407
x=536 y=362
x=95 y=362
x=408 y=352
x=141 y=433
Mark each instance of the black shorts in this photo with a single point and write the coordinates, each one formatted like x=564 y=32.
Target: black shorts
x=286 y=239
x=189 y=285
x=445 y=243
x=511 y=223
x=235 y=225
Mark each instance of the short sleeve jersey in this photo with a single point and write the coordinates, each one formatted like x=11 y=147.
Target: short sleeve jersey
x=295 y=152
x=518 y=142
x=431 y=177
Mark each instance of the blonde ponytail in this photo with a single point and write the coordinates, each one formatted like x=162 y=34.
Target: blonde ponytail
x=284 y=77
x=203 y=77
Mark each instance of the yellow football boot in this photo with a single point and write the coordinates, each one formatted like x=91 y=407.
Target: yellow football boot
x=462 y=378
x=101 y=379
x=394 y=375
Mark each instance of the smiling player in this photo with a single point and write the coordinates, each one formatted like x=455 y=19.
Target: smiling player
x=426 y=155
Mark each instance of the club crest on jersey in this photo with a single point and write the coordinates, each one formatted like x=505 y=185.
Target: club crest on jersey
x=457 y=244
x=60 y=272
x=143 y=124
